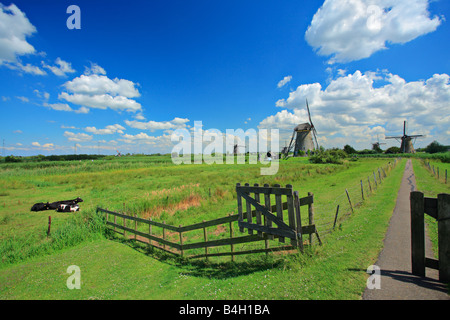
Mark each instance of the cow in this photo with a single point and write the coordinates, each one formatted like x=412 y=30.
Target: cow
x=55 y=205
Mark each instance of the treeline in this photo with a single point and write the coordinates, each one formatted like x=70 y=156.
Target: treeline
x=66 y=157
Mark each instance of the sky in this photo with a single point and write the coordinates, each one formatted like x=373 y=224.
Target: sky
x=136 y=71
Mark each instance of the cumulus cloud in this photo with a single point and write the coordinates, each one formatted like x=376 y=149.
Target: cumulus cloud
x=110 y=129
x=100 y=92
x=78 y=137
x=61 y=68
x=351 y=106
x=176 y=123
x=65 y=107
x=285 y=81
x=14 y=29
x=350 y=30
x=94 y=69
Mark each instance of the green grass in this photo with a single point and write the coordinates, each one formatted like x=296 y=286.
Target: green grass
x=125 y=270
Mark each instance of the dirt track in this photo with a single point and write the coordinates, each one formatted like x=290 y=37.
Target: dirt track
x=397 y=281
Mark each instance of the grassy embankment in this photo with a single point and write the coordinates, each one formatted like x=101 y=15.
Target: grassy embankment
x=111 y=270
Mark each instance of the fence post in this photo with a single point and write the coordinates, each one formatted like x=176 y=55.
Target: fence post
x=445 y=176
x=336 y=216
x=351 y=207
x=231 y=236
x=164 y=235
x=150 y=233
x=443 y=217
x=417 y=233
x=370 y=187
x=205 y=238
x=181 y=241
x=49 y=225
x=438 y=172
x=135 y=227
x=362 y=191
x=311 y=215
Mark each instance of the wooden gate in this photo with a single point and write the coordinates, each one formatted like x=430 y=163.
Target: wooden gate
x=264 y=215
x=439 y=209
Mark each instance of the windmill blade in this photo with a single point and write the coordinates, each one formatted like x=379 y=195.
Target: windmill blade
x=315 y=137
x=404 y=128
x=286 y=152
x=309 y=114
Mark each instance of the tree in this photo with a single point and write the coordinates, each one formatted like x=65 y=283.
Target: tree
x=349 y=149
x=393 y=150
x=435 y=147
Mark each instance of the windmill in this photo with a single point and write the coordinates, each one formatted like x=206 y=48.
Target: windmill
x=376 y=145
x=406 y=145
x=303 y=135
x=118 y=153
x=236 y=149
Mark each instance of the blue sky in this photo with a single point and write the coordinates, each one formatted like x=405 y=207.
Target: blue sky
x=137 y=70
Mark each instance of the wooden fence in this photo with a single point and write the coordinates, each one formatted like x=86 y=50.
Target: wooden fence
x=193 y=241
x=439 y=209
x=439 y=174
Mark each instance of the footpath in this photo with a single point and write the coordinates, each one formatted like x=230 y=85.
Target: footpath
x=397 y=281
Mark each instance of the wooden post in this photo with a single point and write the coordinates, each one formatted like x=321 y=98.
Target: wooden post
x=443 y=217
x=291 y=213
x=370 y=187
x=164 y=235
x=336 y=216
x=434 y=172
x=258 y=213
x=298 y=226
x=445 y=176
x=379 y=175
x=239 y=204
x=181 y=242
x=124 y=224
x=135 y=227
x=279 y=206
x=150 y=232
x=205 y=238
x=362 y=191
x=311 y=216
x=231 y=236
x=115 y=217
x=417 y=233
x=49 y=225
x=348 y=197
x=267 y=222
x=249 y=211
x=375 y=179
x=438 y=172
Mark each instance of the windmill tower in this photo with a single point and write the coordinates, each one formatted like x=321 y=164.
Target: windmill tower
x=303 y=135
x=406 y=145
x=236 y=149
x=376 y=145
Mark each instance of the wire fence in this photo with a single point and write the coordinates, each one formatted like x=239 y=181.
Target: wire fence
x=351 y=198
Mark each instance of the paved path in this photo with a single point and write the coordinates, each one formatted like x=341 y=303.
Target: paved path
x=397 y=281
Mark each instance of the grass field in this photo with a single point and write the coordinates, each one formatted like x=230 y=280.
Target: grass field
x=34 y=266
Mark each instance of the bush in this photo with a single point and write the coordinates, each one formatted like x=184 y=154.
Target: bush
x=435 y=147
x=329 y=156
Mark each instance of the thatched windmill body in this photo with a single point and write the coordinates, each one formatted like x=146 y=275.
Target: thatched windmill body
x=303 y=137
x=406 y=145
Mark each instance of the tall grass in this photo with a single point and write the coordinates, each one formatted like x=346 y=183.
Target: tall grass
x=79 y=228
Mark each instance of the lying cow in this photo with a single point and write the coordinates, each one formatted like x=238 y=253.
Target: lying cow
x=54 y=205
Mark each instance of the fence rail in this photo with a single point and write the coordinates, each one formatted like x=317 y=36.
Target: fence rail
x=181 y=246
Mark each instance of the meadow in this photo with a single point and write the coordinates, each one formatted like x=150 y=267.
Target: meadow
x=33 y=266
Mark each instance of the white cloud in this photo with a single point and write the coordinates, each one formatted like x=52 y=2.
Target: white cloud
x=100 y=92
x=95 y=84
x=23 y=99
x=94 y=69
x=64 y=107
x=176 y=123
x=111 y=129
x=351 y=106
x=14 y=29
x=350 y=30
x=28 y=68
x=285 y=81
x=61 y=69
x=77 y=136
